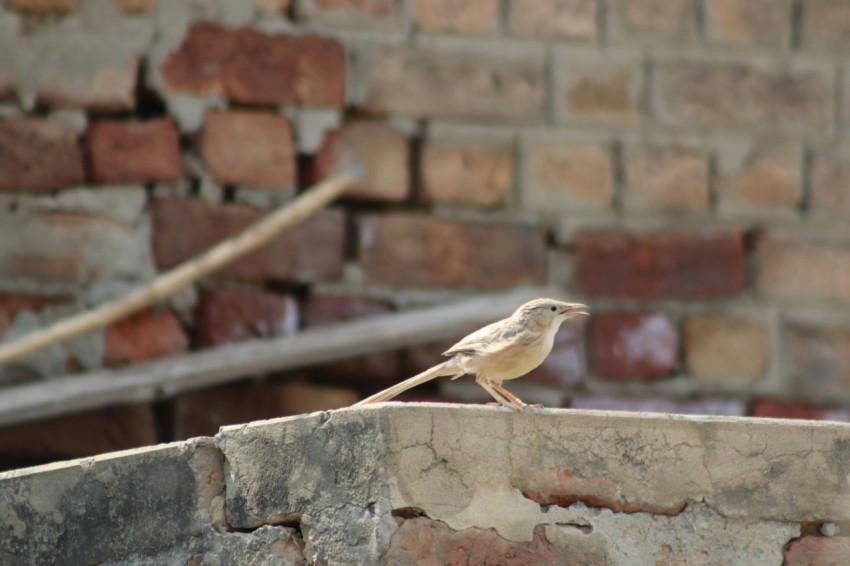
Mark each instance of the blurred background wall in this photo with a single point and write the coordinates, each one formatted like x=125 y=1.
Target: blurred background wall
x=681 y=166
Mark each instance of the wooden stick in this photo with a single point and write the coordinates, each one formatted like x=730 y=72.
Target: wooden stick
x=166 y=378
x=184 y=274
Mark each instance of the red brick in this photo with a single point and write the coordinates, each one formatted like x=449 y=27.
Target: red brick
x=201 y=413
x=313 y=250
x=630 y=346
x=409 y=250
x=38 y=155
x=729 y=94
x=229 y=314
x=42 y=7
x=749 y=22
x=253 y=68
x=593 y=87
x=134 y=152
x=666 y=179
x=661 y=20
x=466 y=173
x=825 y=25
x=252 y=149
x=820 y=359
x=720 y=348
x=785 y=410
x=144 y=336
x=659 y=405
x=484 y=83
x=568 y=176
x=83 y=434
x=379 y=150
x=667 y=264
x=561 y=19
x=381 y=367
x=421 y=540
x=818 y=551
x=457 y=16
x=796 y=268
x=829 y=174
x=769 y=177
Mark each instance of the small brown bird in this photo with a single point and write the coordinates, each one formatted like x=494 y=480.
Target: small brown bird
x=506 y=349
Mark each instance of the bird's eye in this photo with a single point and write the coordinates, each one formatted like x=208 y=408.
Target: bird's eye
x=553 y=308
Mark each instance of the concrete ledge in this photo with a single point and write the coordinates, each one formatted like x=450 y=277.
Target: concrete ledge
x=406 y=483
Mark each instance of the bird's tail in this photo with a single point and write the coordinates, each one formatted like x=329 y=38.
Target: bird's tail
x=440 y=370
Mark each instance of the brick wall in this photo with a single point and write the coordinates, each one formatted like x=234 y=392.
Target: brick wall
x=681 y=167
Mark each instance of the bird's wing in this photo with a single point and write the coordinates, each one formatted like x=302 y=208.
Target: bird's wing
x=486 y=338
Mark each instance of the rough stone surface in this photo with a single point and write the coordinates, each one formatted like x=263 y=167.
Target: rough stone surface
x=230 y=314
x=567 y=176
x=134 y=152
x=419 y=251
x=466 y=173
x=633 y=346
x=719 y=348
x=376 y=149
x=561 y=19
x=144 y=336
x=477 y=84
x=679 y=264
x=38 y=155
x=184 y=228
x=797 y=268
x=253 y=68
x=252 y=149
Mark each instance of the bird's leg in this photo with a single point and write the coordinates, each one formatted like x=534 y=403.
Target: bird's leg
x=511 y=397
x=491 y=388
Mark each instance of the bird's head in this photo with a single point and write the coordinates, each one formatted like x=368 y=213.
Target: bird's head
x=549 y=311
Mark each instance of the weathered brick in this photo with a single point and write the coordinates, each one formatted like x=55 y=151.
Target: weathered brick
x=757 y=94
x=253 y=68
x=313 y=250
x=409 y=250
x=763 y=178
x=652 y=20
x=457 y=16
x=773 y=409
x=820 y=359
x=722 y=348
x=566 y=176
x=593 y=87
x=633 y=346
x=252 y=149
x=11 y=305
x=38 y=155
x=659 y=405
x=273 y=5
x=350 y=13
x=135 y=7
x=146 y=335
x=795 y=268
x=455 y=82
x=818 y=551
x=230 y=314
x=378 y=150
x=381 y=367
x=825 y=25
x=829 y=173
x=749 y=22
x=560 y=19
x=475 y=174
x=203 y=412
x=667 y=264
x=421 y=540
x=126 y=152
x=666 y=179
x=83 y=434
x=42 y=7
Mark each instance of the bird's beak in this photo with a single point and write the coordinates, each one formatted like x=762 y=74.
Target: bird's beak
x=576 y=309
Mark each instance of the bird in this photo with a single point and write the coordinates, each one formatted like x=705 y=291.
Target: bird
x=506 y=349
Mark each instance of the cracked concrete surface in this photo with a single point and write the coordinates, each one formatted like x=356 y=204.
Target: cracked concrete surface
x=435 y=483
